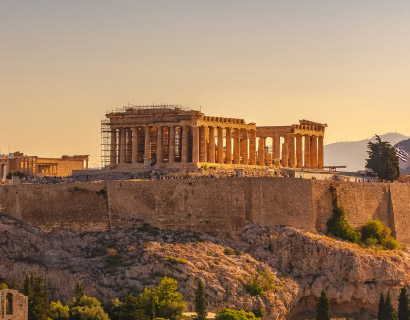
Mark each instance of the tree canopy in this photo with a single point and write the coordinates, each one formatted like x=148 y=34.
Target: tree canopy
x=383 y=160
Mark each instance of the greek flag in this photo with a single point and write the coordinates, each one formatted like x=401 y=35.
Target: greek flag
x=403 y=155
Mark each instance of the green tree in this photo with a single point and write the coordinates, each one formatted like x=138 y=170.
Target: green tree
x=38 y=299
x=380 y=313
x=383 y=160
x=79 y=290
x=87 y=308
x=3 y=286
x=323 y=308
x=27 y=286
x=229 y=314
x=404 y=309
x=164 y=301
x=200 y=301
x=58 y=311
x=338 y=225
x=114 y=309
x=389 y=313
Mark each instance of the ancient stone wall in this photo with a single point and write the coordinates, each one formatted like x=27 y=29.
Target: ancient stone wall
x=13 y=305
x=219 y=206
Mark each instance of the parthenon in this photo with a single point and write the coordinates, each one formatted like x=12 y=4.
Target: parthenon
x=171 y=137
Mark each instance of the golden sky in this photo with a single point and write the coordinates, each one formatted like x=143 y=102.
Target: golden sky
x=64 y=63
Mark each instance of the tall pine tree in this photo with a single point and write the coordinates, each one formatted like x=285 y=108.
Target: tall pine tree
x=380 y=313
x=200 y=301
x=389 y=313
x=404 y=309
x=38 y=299
x=323 y=308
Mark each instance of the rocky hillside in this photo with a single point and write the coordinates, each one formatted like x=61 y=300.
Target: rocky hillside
x=299 y=266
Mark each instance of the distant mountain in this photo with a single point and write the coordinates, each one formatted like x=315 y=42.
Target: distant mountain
x=353 y=154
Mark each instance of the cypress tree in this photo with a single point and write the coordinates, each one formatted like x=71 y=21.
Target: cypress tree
x=27 y=286
x=380 y=313
x=79 y=291
x=389 y=313
x=200 y=301
x=38 y=300
x=404 y=310
x=323 y=308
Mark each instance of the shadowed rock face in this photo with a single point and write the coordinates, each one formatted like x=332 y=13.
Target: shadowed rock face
x=111 y=264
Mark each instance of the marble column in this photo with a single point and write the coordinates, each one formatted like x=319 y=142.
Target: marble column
x=261 y=152
x=228 y=146
x=159 y=144
x=291 y=150
x=171 y=144
x=307 y=151
x=244 y=146
x=236 y=147
x=195 y=144
x=299 y=158
x=285 y=158
x=252 y=148
x=134 y=145
x=220 y=145
x=202 y=144
x=113 y=149
x=276 y=154
x=184 y=155
x=128 y=157
x=147 y=144
x=211 y=148
x=313 y=151
x=320 y=152
x=122 y=145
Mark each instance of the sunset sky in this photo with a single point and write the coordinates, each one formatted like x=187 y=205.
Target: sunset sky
x=63 y=64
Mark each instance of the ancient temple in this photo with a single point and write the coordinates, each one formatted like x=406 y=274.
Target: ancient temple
x=175 y=138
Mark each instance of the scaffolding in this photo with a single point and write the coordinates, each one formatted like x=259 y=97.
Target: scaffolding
x=105 y=142
x=131 y=107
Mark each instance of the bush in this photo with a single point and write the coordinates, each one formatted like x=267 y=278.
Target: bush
x=87 y=308
x=260 y=282
x=174 y=260
x=58 y=311
x=375 y=233
x=338 y=225
x=3 y=286
x=229 y=314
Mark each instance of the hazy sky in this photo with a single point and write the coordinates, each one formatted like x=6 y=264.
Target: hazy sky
x=64 y=63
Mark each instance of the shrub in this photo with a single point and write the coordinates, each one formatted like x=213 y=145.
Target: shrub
x=174 y=260
x=375 y=233
x=338 y=225
x=229 y=314
x=58 y=311
x=260 y=282
x=3 y=286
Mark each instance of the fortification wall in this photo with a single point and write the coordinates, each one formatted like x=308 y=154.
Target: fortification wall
x=219 y=206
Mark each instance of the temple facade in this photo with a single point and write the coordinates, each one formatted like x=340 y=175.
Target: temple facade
x=175 y=138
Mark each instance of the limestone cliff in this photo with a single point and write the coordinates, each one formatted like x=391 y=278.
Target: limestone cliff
x=113 y=263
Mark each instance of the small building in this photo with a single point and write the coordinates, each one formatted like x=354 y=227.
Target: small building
x=35 y=166
x=13 y=305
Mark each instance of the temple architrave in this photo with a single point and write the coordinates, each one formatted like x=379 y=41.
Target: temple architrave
x=35 y=166
x=168 y=137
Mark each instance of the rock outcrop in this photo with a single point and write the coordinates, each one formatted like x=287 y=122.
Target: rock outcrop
x=300 y=265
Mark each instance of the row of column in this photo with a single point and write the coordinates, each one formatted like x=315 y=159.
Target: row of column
x=243 y=143
x=125 y=144
x=48 y=169
x=292 y=154
x=220 y=145
x=28 y=166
